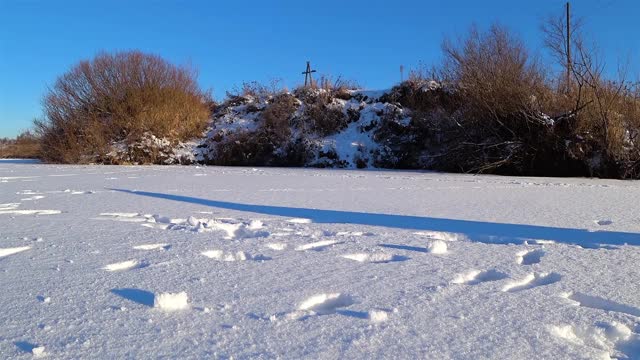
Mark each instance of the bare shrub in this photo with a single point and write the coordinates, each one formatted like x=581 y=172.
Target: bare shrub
x=321 y=116
x=256 y=90
x=244 y=149
x=501 y=89
x=119 y=97
x=324 y=119
x=278 y=113
x=602 y=115
x=422 y=94
x=494 y=73
x=25 y=146
x=338 y=88
x=250 y=89
x=258 y=148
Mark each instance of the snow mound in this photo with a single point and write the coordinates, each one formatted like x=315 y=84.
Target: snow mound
x=378 y=316
x=437 y=247
x=171 y=301
x=38 y=351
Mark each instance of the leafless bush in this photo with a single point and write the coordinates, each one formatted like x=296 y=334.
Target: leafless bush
x=257 y=90
x=424 y=94
x=278 y=113
x=251 y=88
x=260 y=148
x=119 y=97
x=338 y=88
x=25 y=146
x=603 y=114
x=494 y=73
x=323 y=119
x=321 y=116
x=500 y=89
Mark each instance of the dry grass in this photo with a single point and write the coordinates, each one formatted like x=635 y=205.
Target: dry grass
x=24 y=146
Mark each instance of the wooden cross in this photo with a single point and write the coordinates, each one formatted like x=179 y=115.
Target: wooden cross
x=307 y=75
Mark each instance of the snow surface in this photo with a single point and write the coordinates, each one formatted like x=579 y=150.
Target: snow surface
x=302 y=263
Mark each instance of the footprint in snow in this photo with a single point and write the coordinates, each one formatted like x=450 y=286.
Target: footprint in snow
x=604 y=222
x=613 y=340
x=230 y=256
x=442 y=235
x=531 y=281
x=438 y=247
x=125 y=265
x=375 y=258
x=352 y=233
x=529 y=257
x=81 y=192
x=599 y=303
x=334 y=303
x=160 y=246
x=318 y=245
x=475 y=277
x=323 y=304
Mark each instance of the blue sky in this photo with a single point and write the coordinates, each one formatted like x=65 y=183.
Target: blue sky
x=235 y=41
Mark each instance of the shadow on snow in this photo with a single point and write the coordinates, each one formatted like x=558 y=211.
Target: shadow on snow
x=25 y=346
x=20 y=161
x=486 y=232
x=136 y=295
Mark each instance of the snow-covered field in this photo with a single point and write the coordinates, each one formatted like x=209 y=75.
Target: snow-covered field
x=190 y=262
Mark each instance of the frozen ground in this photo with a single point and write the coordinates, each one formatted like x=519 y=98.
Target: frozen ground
x=189 y=262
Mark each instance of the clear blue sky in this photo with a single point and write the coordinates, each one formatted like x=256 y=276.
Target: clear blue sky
x=235 y=41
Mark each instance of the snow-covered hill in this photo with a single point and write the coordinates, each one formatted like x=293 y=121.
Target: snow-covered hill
x=349 y=141
x=318 y=128
x=209 y=262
